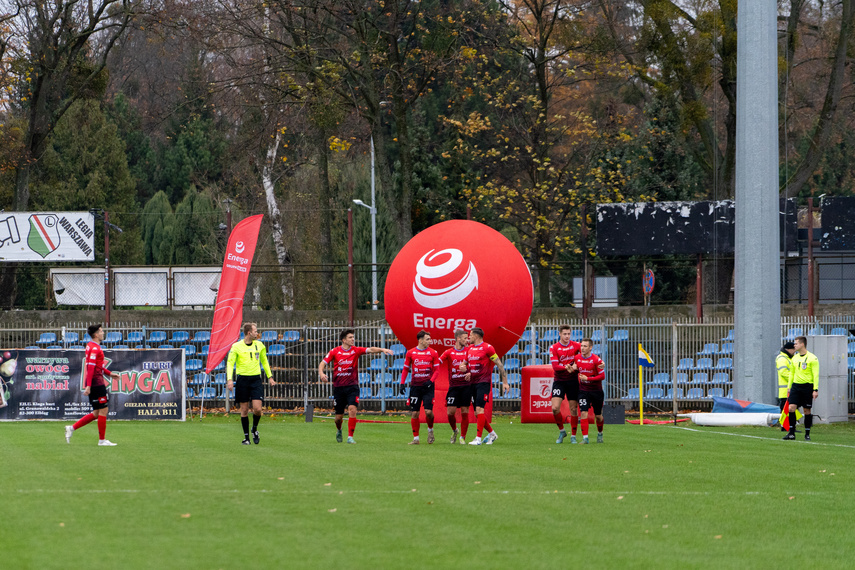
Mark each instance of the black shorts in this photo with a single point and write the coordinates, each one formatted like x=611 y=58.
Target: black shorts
x=592 y=400
x=459 y=396
x=344 y=396
x=481 y=394
x=566 y=388
x=248 y=388
x=421 y=395
x=801 y=395
x=98 y=397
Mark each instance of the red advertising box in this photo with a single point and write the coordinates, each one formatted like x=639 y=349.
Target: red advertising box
x=536 y=406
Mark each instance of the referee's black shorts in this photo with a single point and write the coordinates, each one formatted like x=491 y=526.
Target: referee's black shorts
x=248 y=388
x=801 y=395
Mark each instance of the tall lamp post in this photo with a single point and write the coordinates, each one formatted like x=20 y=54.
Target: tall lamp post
x=101 y=214
x=373 y=211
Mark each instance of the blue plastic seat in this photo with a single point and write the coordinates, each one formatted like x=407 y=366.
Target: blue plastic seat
x=686 y=364
x=661 y=378
x=529 y=349
x=599 y=349
x=377 y=364
x=231 y=393
x=597 y=335
x=120 y=347
x=398 y=350
x=364 y=377
x=695 y=394
x=111 y=337
x=513 y=350
x=188 y=393
x=700 y=378
x=189 y=349
x=709 y=349
x=726 y=348
x=209 y=393
x=632 y=394
x=269 y=336
x=276 y=350
x=37 y=347
x=816 y=331
x=850 y=362
x=850 y=348
x=529 y=335
x=155 y=337
x=202 y=336
x=840 y=331
x=681 y=378
x=193 y=364
x=165 y=346
x=291 y=336
x=729 y=337
x=793 y=333
x=46 y=338
x=576 y=335
x=135 y=336
x=220 y=366
x=179 y=337
x=512 y=364
x=397 y=364
x=670 y=394
x=715 y=393
x=533 y=362
x=619 y=334
x=551 y=336
x=704 y=363
x=721 y=378
x=514 y=379
x=220 y=378
x=200 y=379
x=655 y=394
x=204 y=351
x=55 y=347
x=365 y=392
x=70 y=337
x=724 y=364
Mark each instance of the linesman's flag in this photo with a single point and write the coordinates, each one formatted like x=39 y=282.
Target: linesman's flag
x=785 y=415
x=644 y=358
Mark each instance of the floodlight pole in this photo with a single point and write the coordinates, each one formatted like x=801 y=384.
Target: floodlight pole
x=107 y=300
x=373 y=209
x=757 y=295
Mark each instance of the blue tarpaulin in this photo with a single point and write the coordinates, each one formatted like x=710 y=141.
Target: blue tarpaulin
x=731 y=406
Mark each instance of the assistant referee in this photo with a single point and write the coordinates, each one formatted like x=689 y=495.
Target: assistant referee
x=247 y=356
x=803 y=386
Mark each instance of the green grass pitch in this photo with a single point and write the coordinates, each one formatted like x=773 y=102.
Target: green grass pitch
x=188 y=495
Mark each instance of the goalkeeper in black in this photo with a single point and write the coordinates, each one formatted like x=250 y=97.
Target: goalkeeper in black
x=803 y=387
x=247 y=357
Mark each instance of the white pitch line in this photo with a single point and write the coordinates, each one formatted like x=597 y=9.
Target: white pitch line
x=760 y=437
x=341 y=492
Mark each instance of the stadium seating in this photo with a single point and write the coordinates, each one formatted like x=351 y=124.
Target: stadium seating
x=209 y=393
x=269 y=336
x=165 y=346
x=202 y=336
x=681 y=378
x=193 y=365
x=729 y=337
x=35 y=347
x=619 y=334
x=377 y=365
x=793 y=333
x=695 y=394
x=231 y=393
x=850 y=362
x=726 y=348
x=816 y=331
x=204 y=351
x=576 y=335
x=291 y=336
x=189 y=349
x=514 y=379
x=661 y=378
x=709 y=349
x=55 y=347
x=599 y=349
x=529 y=335
x=686 y=364
x=704 y=363
x=700 y=378
x=597 y=335
x=850 y=348
x=551 y=336
x=670 y=394
x=512 y=364
x=398 y=350
x=840 y=331
x=155 y=337
x=632 y=394
x=715 y=393
x=46 y=338
x=86 y=339
x=120 y=347
x=180 y=336
x=111 y=337
x=135 y=336
x=70 y=337
x=514 y=350
x=364 y=378
x=365 y=392
x=655 y=394
x=199 y=379
x=721 y=378
x=188 y=393
x=75 y=347
x=724 y=364
x=533 y=362
x=276 y=350
x=220 y=366
x=397 y=364
x=220 y=378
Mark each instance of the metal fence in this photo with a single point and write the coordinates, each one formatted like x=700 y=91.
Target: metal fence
x=693 y=361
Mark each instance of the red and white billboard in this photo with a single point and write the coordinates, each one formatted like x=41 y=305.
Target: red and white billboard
x=536 y=406
x=459 y=275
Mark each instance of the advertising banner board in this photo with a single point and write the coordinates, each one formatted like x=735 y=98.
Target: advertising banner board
x=47 y=236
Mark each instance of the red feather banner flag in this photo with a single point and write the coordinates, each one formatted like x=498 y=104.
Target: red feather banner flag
x=228 y=312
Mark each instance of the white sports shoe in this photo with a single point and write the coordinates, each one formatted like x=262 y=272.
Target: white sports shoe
x=69 y=431
x=476 y=441
x=454 y=436
x=106 y=442
x=491 y=437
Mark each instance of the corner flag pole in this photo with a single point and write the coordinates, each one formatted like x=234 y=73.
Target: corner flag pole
x=640 y=394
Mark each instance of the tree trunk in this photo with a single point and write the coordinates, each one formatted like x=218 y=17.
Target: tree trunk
x=326 y=201
x=276 y=223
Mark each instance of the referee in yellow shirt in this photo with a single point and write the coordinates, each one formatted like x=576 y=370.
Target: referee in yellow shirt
x=248 y=356
x=803 y=386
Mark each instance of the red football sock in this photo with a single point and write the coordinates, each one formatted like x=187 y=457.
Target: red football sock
x=452 y=421
x=464 y=423
x=487 y=425
x=351 y=425
x=480 y=419
x=83 y=421
x=415 y=423
x=559 y=420
x=430 y=421
x=600 y=426
x=574 y=423
x=585 y=424
x=102 y=427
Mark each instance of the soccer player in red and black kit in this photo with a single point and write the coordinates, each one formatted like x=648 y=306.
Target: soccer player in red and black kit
x=344 y=360
x=459 y=391
x=96 y=387
x=423 y=361
x=591 y=375
x=562 y=356
x=480 y=357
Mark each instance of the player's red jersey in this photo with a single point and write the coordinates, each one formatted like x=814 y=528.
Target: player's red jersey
x=94 y=366
x=561 y=355
x=345 y=364
x=453 y=358
x=479 y=360
x=590 y=366
x=422 y=363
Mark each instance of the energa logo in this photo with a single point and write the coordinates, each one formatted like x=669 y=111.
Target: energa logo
x=431 y=287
